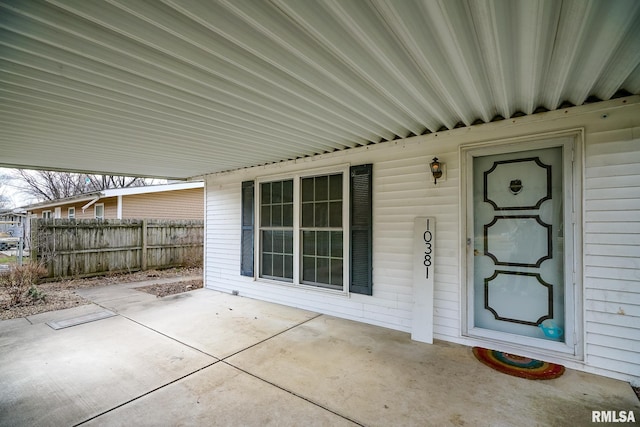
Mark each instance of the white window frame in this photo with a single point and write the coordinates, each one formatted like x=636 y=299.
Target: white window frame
x=57 y=213
x=95 y=210
x=297 y=214
x=71 y=213
x=46 y=214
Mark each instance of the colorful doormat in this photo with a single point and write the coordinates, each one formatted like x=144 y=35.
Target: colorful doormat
x=518 y=366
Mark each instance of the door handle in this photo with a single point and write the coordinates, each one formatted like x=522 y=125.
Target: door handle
x=469 y=242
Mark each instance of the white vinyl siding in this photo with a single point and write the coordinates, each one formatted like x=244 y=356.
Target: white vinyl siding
x=223 y=272
x=608 y=262
x=612 y=250
x=402 y=190
x=222 y=237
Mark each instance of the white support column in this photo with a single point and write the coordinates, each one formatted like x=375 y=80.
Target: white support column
x=119 y=213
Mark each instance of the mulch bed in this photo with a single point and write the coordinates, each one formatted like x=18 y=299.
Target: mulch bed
x=165 y=289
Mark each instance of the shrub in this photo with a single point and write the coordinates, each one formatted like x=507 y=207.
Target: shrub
x=20 y=282
x=36 y=294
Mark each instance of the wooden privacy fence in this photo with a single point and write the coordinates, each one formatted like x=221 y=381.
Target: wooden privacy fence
x=80 y=248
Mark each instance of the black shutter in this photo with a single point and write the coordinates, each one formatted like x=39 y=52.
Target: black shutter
x=246 y=246
x=361 y=242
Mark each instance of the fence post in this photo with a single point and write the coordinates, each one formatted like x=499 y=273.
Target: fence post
x=143 y=252
x=34 y=240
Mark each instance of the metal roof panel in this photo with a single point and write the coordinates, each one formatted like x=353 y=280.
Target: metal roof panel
x=183 y=88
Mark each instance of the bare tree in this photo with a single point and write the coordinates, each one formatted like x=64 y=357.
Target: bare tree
x=5 y=202
x=51 y=185
x=5 y=199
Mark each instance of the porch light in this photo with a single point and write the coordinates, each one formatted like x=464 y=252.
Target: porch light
x=436 y=169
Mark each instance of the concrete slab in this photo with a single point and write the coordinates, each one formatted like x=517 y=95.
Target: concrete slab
x=220 y=395
x=7 y=325
x=64 y=377
x=380 y=377
x=216 y=323
x=154 y=364
x=115 y=297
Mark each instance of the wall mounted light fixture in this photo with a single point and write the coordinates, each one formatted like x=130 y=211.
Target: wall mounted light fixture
x=436 y=169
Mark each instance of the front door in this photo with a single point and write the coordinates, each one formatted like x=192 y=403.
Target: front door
x=519 y=285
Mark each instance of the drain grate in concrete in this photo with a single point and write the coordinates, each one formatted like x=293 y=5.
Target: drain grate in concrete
x=74 y=321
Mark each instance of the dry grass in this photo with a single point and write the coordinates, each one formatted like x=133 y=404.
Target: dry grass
x=61 y=295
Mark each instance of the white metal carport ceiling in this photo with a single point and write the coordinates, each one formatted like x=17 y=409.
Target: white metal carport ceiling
x=183 y=88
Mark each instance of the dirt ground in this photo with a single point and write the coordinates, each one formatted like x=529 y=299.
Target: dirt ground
x=61 y=295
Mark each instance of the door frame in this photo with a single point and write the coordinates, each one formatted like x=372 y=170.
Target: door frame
x=573 y=166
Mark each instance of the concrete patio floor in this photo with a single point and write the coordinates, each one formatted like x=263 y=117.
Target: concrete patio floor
x=208 y=358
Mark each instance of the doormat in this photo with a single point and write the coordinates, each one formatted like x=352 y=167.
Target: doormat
x=518 y=366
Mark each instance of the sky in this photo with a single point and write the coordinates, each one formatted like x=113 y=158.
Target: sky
x=7 y=189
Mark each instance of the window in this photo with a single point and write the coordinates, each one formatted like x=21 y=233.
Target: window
x=57 y=213
x=99 y=211
x=276 y=230
x=46 y=214
x=322 y=237
x=302 y=229
x=71 y=213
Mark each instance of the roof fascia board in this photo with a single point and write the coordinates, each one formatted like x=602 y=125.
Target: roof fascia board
x=152 y=189
x=61 y=202
x=118 y=192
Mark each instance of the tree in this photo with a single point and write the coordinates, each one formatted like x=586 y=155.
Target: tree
x=4 y=202
x=52 y=185
x=5 y=199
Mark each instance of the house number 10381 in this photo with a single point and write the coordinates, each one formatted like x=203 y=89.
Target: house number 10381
x=428 y=250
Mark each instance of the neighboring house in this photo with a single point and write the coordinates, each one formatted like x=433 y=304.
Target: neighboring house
x=533 y=222
x=12 y=226
x=10 y=219
x=167 y=201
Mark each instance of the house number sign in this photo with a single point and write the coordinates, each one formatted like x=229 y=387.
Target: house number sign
x=427 y=236
x=424 y=250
